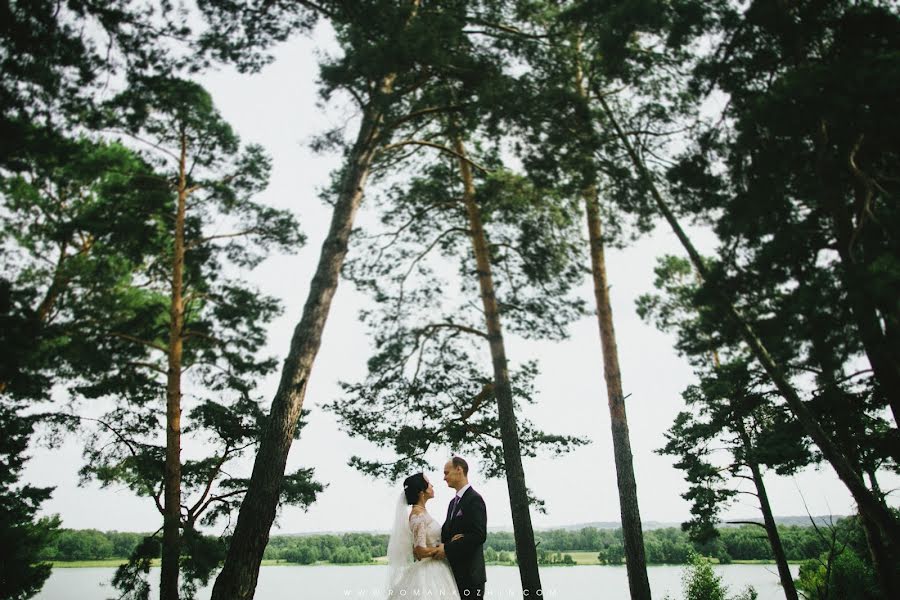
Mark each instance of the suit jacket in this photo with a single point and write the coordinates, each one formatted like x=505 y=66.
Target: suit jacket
x=466 y=555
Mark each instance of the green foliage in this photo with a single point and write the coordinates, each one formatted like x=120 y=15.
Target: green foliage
x=427 y=349
x=699 y=582
x=131 y=577
x=89 y=224
x=23 y=536
x=846 y=576
x=546 y=557
x=793 y=180
x=78 y=221
x=842 y=567
x=663 y=546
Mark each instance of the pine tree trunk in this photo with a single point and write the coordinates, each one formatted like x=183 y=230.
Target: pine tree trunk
x=636 y=561
x=171 y=544
x=867 y=502
x=237 y=580
x=784 y=571
x=632 y=531
x=526 y=554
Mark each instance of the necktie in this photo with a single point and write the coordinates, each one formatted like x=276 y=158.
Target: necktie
x=453 y=504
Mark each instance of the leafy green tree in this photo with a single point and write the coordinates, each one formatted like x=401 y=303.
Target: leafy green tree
x=78 y=214
x=75 y=221
x=424 y=388
x=699 y=582
x=563 y=140
x=762 y=70
x=186 y=312
x=734 y=412
x=23 y=537
x=391 y=51
x=614 y=554
x=58 y=62
x=842 y=569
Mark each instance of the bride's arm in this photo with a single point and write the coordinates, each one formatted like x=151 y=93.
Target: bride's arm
x=421 y=552
x=420 y=549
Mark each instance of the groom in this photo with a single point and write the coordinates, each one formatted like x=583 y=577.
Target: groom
x=464 y=531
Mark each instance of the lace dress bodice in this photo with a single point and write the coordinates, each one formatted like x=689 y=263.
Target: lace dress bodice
x=426 y=531
x=427 y=578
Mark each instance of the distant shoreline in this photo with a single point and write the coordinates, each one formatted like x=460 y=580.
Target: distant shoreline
x=580 y=561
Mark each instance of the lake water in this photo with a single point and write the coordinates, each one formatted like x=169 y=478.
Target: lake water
x=361 y=582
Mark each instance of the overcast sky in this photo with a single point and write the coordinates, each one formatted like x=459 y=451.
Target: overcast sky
x=277 y=108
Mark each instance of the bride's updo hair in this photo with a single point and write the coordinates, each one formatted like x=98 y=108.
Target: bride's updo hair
x=413 y=486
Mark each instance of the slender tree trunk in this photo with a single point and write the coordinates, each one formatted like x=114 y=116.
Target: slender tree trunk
x=526 y=553
x=784 y=572
x=868 y=503
x=237 y=580
x=636 y=561
x=171 y=546
x=632 y=531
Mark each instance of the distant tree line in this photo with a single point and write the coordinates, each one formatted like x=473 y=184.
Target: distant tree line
x=662 y=546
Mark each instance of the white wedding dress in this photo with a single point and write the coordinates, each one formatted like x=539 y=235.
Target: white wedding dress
x=425 y=578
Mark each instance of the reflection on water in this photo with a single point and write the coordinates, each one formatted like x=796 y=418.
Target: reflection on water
x=363 y=582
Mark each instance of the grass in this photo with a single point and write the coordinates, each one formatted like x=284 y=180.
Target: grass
x=587 y=557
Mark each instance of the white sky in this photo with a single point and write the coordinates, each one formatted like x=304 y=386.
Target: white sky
x=277 y=108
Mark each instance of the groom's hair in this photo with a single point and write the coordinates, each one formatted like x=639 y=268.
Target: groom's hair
x=462 y=464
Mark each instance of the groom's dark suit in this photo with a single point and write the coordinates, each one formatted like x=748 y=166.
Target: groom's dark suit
x=466 y=555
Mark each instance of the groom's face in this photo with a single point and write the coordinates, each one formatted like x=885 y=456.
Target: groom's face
x=452 y=475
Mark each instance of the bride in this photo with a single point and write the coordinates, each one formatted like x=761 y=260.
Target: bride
x=416 y=535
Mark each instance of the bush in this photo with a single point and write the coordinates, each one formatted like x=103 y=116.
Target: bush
x=851 y=578
x=699 y=582
x=301 y=554
x=345 y=555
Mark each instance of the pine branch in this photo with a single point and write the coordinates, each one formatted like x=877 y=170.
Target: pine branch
x=196 y=243
x=440 y=147
x=214 y=473
x=138 y=340
x=426 y=111
x=462 y=328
